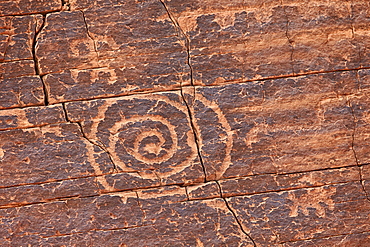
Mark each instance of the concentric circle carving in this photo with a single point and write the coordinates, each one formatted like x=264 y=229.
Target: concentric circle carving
x=147 y=133
x=149 y=139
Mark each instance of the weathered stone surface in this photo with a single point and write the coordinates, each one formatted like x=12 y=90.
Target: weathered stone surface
x=64 y=43
x=317 y=31
x=203 y=191
x=244 y=40
x=20 y=92
x=357 y=239
x=97 y=83
x=143 y=133
x=360 y=106
x=274 y=218
x=184 y=123
x=272 y=183
x=36 y=193
x=18 y=85
x=365 y=173
x=48 y=153
x=16 y=36
x=16 y=69
x=111 y=49
x=207 y=222
x=361 y=19
x=276 y=126
x=128 y=181
x=31 y=117
x=237 y=41
x=93 y=185
x=158 y=217
x=24 y=7
x=74 y=215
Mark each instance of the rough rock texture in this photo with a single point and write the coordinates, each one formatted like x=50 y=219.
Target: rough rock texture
x=243 y=132
x=111 y=49
x=26 y=7
x=18 y=84
x=184 y=123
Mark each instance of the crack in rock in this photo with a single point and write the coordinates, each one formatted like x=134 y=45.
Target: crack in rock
x=36 y=61
x=188 y=106
x=90 y=36
x=101 y=146
x=362 y=182
x=234 y=215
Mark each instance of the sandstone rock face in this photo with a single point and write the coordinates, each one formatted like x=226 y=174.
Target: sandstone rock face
x=111 y=49
x=26 y=7
x=184 y=123
x=19 y=85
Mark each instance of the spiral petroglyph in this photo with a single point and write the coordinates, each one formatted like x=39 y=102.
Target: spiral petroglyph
x=153 y=136
x=184 y=123
x=146 y=134
x=149 y=139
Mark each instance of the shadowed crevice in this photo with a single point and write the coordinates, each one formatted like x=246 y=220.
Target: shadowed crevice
x=36 y=61
x=196 y=136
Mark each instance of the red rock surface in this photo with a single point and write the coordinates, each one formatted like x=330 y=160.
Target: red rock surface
x=184 y=123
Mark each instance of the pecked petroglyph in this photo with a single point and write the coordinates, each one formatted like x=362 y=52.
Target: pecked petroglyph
x=184 y=123
x=156 y=153
x=320 y=200
x=140 y=137
x=224 y=137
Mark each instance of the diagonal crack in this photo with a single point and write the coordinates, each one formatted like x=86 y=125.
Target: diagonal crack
x=234 y=214
x=362 y=182
x=100 y=145
x=36 y=61
x=196 y=137
x=95 y=143
x=187 y=39
x=188 y=106
x=88 y=34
